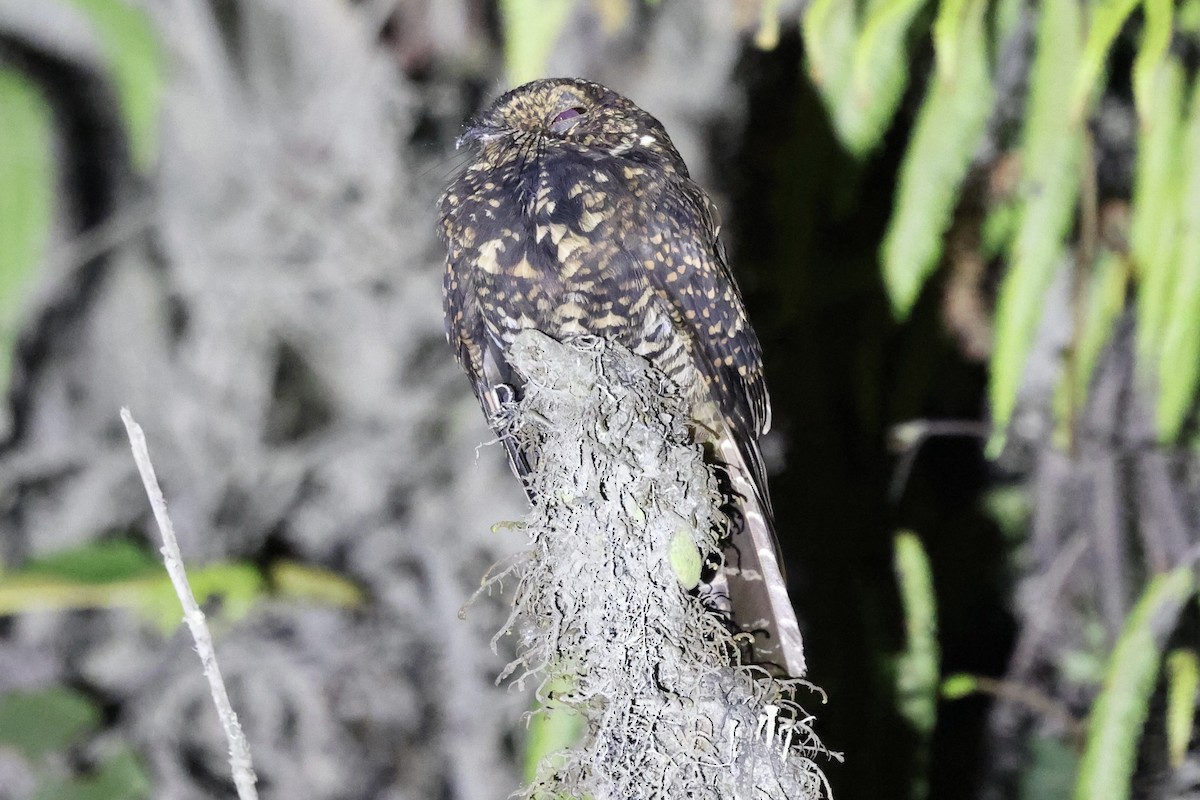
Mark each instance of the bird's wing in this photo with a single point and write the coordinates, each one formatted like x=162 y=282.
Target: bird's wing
x=479 y=352
x=685 y=263
x=465 y=329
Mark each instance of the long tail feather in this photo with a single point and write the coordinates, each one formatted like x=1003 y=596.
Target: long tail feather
x=757 y=590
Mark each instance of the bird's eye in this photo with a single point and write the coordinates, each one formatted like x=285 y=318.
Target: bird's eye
x=566 y=119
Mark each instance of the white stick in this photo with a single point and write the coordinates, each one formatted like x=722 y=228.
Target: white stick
x=239 y=751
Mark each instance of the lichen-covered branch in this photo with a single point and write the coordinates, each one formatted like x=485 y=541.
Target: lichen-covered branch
x=604 y=605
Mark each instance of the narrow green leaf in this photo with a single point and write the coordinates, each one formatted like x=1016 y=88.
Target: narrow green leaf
x=948 y=31
x=27 y=178
x=238 y=585
x=122 y=575
x=829 y=30
x=295 y=581
x=880 y=74
x=117 y=583
x=1179 y=359
x=1105 y=23
x=531 y=29
x=1155 y=212
x=1050 y=158
x=96 y=562
x=128 y=42
x=1183 y=690
x=947 y=131
x=1156 y=37
x=860 y=72
x=41 y=722
x=917 y=667
x=1117 y=717
x=1189 y=18
x=21 y=593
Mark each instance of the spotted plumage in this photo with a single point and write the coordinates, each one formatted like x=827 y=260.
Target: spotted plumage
x=577 y=216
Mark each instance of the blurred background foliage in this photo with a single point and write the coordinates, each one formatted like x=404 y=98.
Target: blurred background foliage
x=969 y=234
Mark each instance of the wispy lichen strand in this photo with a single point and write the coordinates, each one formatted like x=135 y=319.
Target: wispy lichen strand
x=599 y=609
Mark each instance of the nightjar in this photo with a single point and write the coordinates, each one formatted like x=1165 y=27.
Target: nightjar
x=577 y=216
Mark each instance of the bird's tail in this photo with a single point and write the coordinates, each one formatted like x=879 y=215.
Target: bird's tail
x=758 y=593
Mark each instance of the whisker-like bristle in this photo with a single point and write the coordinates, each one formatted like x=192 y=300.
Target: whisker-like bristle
x=447 y=167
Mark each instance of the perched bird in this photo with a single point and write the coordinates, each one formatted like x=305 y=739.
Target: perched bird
x=577 y=216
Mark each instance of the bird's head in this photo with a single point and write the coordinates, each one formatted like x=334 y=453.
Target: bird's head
x=572 y=114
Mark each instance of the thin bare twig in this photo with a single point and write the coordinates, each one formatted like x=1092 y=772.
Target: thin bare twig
x=907 y=438
x=239 y=750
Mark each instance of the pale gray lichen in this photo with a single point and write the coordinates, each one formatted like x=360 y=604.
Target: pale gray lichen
x=615 y=481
